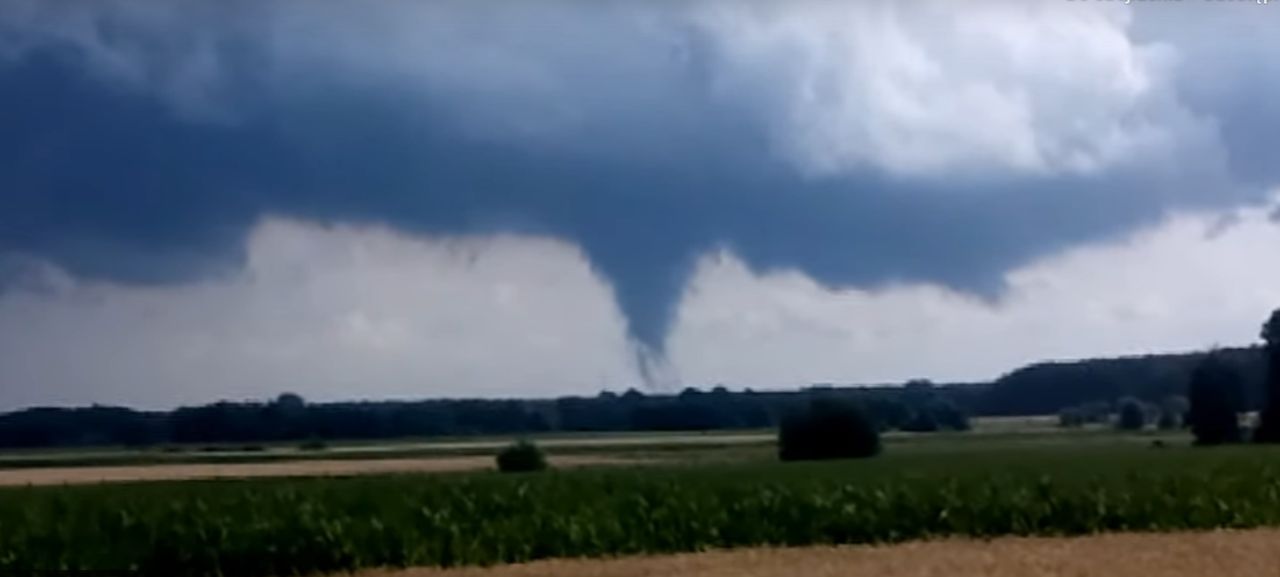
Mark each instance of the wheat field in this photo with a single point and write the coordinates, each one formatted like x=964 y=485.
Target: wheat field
x=1254 y=553
x=309 y=468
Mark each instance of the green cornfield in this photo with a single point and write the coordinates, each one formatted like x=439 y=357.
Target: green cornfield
x=304 y=526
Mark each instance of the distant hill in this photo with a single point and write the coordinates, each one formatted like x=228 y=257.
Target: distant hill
x=1045 y=388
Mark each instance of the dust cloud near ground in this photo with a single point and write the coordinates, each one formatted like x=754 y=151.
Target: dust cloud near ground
x=311 y=468
x=1217 y=554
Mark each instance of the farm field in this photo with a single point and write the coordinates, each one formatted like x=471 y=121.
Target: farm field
x=922 y=487
x=1254 y=552
x=402 y=449
x=305 y=468
x=652 y=445
x=81 y=467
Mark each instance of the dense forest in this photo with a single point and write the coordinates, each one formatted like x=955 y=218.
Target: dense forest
x=1039 y=389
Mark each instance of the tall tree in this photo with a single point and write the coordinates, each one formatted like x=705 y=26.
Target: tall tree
x=1215 y=402
x=1269 y=425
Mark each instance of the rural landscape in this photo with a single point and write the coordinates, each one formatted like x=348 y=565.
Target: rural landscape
x=639 y=288
x=286 y=488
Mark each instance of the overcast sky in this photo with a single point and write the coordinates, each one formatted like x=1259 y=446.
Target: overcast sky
x=203 y=200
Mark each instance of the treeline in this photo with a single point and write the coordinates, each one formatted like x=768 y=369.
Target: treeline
x=920 y=407
x=1048 y=388
x=1043 y=389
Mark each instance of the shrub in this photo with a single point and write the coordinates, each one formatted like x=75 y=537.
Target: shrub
x=828 y=430
x=521 y=457
x=922 y=422
x=1133 y=416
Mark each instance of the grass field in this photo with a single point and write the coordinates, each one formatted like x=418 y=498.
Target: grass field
x=1222 y=553
x=924 y=486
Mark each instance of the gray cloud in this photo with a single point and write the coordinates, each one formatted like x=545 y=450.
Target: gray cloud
x=955 y=145
x=334 y=313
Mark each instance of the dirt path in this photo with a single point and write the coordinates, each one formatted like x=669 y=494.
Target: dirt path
x=313 y=468
x=1220 y=554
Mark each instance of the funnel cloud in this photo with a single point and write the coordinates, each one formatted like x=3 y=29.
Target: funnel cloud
x=862 y=144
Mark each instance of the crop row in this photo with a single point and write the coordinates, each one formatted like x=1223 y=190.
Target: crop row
x=299 y=526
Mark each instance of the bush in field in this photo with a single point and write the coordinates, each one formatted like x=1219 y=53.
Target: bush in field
x=828 y=429
x=1215 y=399
x=922 y=422
x=1133 y=416
x=521 y=457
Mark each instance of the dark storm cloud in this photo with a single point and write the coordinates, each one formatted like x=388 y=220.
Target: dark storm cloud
x=1227 y=71
x=111 y=182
